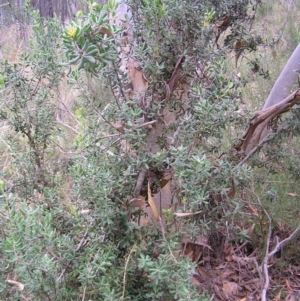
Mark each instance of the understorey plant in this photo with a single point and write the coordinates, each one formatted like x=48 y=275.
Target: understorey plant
x=156 y=166
x=32 y=213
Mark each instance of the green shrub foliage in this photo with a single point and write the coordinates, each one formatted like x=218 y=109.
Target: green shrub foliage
x=94 y=247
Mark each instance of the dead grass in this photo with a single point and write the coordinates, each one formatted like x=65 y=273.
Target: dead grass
x=11 y=44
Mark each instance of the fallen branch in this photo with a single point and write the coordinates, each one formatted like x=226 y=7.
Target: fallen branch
x=279 y=246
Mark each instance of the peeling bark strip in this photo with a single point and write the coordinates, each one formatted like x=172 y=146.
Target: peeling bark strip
x=173 y=81
x=263 y=119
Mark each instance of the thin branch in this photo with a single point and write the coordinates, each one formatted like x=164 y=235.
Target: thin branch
x=111 y=144
x=115 y=97
x=108 y=136
x=145 y=124
x=91 y=104
x=83 y=297
x=162 y=226
x=253 y=17
x=77 y=249
x=265 y=261
x=268 y=254
x=125 y=270
x=120 y=85
x=66 y=108
x=253 y=151
x=68 y=126
x=107 y=151
x=284 y=242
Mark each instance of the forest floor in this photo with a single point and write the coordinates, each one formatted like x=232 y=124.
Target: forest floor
x=234 y=270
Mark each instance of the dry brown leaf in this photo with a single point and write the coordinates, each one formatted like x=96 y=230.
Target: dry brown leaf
x=288 y=285
x=238 y=50
x=253 y=209
x=230 y=288
x=278 y=296
x=152 y=204
x=229 y=258
x=119 y=126
x=186 y=214
x=221 y=26
x=138 y=80
x=282 y=226
x=195 y=281
x=163 y=182
x=105 y=31
x=201 y=241
x=251 y=231
x=137 y=202
x=292 y=194
x=18 y=284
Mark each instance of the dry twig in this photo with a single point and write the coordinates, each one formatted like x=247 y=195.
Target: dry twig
x=125 y=270
x=263 y=269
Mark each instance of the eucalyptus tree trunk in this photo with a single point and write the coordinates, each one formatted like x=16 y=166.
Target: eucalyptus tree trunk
x=71 y=8
x=286 y=80
x=280 y=92
x=21 y=22
x=46 y=8
x=65 y=9
x=139 y=87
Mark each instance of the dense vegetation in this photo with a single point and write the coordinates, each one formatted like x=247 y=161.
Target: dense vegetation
x=133 y=189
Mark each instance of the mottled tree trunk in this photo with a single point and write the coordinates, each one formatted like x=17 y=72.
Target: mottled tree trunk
x=163 y=198
x=280 y=91
x=46 y=8
x=21 y=22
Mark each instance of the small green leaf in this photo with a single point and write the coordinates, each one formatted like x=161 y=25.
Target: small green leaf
x=230 y=85
x=1 y=185
x=90 y=59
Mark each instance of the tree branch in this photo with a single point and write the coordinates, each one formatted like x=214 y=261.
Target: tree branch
x=268 y=254
x=139 y=182
x=262 y=119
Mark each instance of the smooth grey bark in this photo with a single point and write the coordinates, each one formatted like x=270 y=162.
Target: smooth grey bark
x=71 y=8
x=285 y=81
x=281 y=89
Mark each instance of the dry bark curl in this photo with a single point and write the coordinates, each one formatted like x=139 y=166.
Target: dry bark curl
x=263 y=120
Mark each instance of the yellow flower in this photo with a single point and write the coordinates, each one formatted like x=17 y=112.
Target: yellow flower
x=71 y=31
